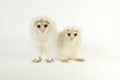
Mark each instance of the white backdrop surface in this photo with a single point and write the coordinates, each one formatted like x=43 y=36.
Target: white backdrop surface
x=99 y=21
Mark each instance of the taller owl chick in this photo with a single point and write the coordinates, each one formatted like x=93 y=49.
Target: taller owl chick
x=44 y=35
x=69 y=44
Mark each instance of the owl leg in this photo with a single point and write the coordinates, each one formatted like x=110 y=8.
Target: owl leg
x=37 y=60
x=63 y=57
x=49 y=58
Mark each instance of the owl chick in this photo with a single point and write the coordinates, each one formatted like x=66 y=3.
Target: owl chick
x=69 y=44
x=44 y=36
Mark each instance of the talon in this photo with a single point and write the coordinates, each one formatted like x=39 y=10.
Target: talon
x=40 y=58
x=79 y=59
x=37 y=60
x=49 y=60
x=64 y=60
x=52 y=60
x=69 y=58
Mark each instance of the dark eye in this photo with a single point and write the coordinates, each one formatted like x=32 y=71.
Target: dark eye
x=38 y=26
x=75 y=34
x=68 y=34
x=45 y=25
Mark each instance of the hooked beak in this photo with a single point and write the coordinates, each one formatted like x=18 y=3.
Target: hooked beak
x=42 y=30
x=71 y=38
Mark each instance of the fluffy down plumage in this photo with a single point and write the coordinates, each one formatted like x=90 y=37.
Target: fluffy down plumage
x=68 y=44
x=44 y=35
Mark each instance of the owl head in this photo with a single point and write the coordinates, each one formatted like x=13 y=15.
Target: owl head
x=43 y=25
x=71 y=33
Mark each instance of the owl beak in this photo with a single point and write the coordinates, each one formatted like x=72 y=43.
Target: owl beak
x=71 y=38
x=42 y=30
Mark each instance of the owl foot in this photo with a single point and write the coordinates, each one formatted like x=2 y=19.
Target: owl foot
x=79 y=59
x=64 y=60
x=37 y=60
x=49 y=60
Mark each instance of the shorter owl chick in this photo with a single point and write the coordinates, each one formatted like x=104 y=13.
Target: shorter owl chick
x=68 y=44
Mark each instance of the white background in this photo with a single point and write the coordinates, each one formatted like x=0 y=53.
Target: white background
x=99 y=21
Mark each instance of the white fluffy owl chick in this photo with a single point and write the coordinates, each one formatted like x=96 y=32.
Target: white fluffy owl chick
x=69 y=44
x=44 y=35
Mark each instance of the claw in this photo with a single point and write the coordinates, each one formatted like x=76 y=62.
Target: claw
x=49 y=60
x=79 y=59
x=64 y=60
x=35 y=60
